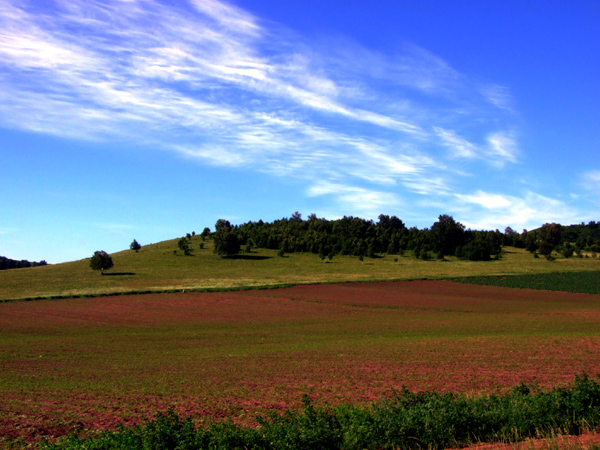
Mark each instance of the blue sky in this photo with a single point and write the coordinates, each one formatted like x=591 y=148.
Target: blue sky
x=123 y=119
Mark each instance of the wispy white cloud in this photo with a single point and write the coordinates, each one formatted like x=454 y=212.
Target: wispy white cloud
x=231 y=17
x=367 y=202
x=498 y=96
x=460 y=148
x=208 y=81
x=500 y=210
x=487 y=200
x=8 y=230
x=502 y=148
x=591 y=179
x=115 y=227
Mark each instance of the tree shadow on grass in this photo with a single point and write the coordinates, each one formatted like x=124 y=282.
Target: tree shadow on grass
x=113 y=274
x=250 y=257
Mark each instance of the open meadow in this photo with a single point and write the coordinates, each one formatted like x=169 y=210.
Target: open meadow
x=81 y=364
x=156 y=268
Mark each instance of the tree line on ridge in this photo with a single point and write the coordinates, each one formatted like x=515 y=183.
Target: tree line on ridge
x=389 y=235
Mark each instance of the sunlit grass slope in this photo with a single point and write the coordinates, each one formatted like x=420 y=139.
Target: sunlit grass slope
x=157 y=268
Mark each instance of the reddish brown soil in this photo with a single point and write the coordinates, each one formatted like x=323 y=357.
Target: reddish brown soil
x=80 y=364
x=582 y=441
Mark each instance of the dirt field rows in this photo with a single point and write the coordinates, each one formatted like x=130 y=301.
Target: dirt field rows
x=77 y=364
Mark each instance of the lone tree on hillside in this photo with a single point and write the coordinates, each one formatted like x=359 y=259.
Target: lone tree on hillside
x=135 y=245
x=226 y=241
x=101 y=261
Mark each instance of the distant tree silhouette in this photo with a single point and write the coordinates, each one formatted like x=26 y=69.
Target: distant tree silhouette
x=7 y=263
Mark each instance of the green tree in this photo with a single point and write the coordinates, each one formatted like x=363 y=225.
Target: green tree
x=101 y=261
x=135 y=245
x=550 y=235
x=447 y=234
x=530 y=242
x=545 y=248
x=371 y=250
x=568 y=250
x=226 y=240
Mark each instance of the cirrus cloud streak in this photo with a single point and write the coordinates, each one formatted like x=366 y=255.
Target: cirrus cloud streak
x=210 y=82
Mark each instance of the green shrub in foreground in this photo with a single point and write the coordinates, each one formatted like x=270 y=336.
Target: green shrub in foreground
x=406 y=420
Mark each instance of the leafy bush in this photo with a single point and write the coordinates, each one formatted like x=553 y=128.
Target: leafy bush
x=405 y=420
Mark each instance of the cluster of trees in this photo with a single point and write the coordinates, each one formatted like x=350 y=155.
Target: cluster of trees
x=366 y=238
x=358 y=237
x=567 y=240
x=185 y=243
x=7 y=263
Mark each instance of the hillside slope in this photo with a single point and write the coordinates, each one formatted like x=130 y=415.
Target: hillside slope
x=156 y=267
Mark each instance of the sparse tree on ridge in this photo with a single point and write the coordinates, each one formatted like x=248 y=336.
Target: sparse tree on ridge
x=135 y=245
x=184 y=246
x=101 y=261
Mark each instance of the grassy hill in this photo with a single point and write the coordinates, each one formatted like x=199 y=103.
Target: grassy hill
x=157 y=268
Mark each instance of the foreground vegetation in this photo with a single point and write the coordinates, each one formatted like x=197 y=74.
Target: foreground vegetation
x=407 y=420
x=85 y=364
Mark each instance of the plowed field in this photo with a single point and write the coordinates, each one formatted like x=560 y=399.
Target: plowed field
x=78 y=364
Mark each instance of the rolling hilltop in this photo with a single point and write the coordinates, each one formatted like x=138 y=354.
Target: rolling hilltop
x=163 y=266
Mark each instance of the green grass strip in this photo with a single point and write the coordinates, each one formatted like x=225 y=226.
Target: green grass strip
x=582 y=282
x=406 y=420
x=586 y=282
x=254 y=287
